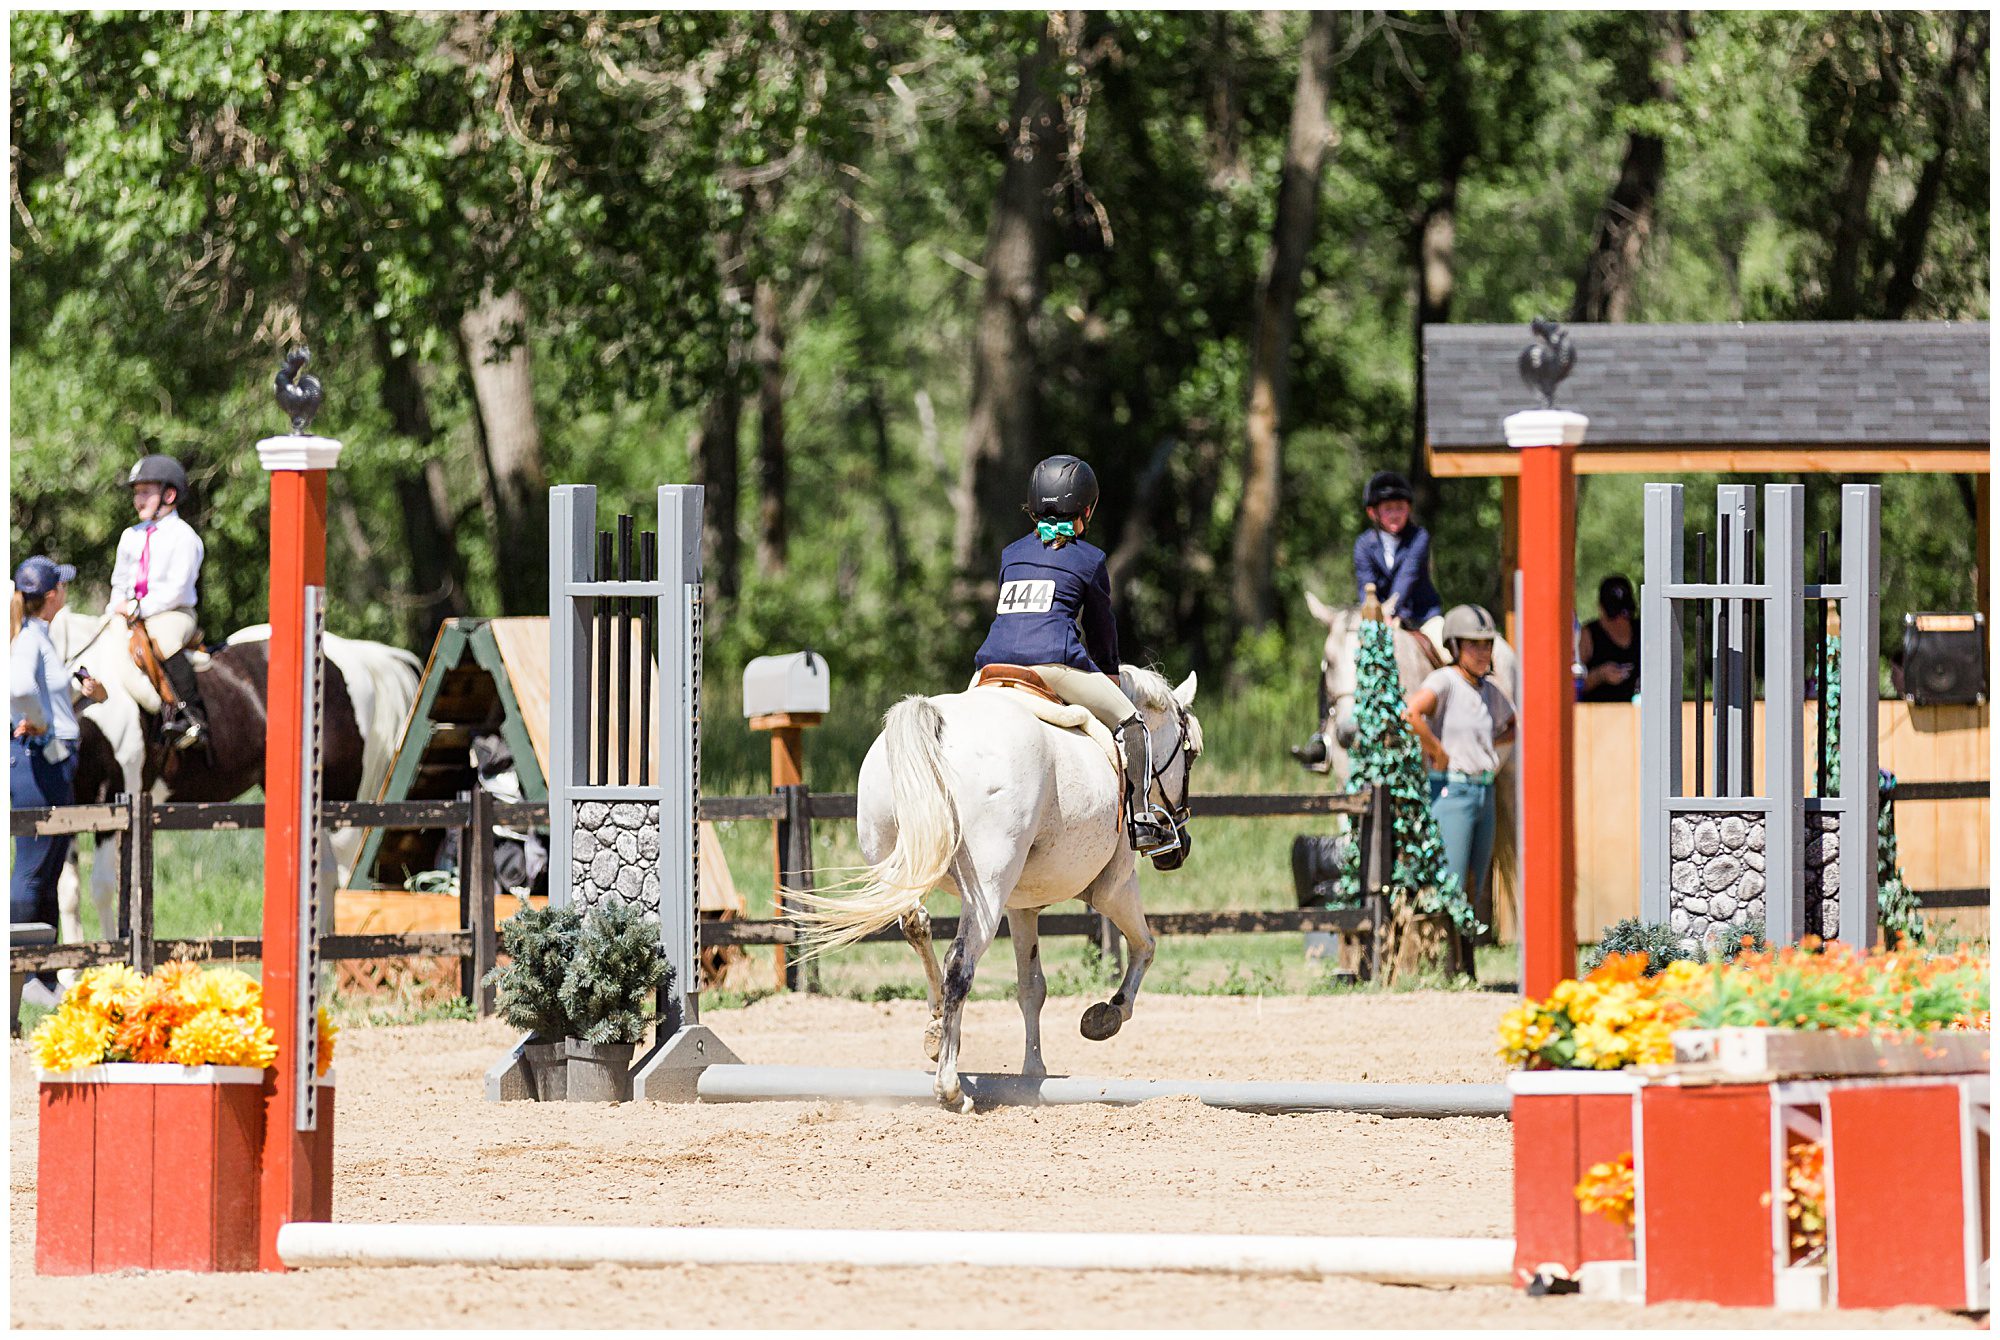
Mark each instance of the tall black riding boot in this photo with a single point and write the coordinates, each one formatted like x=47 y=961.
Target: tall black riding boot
x=193 y=723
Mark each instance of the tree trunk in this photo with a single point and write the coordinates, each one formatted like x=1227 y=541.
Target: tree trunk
x=1914 y=230
x=493 y=341
x=768 y=352
x=1852 y=232
x=1000 y=433
x=437 y=571
x=1606 y=291
x=1435 y=242
x=1224 y=108
x=1277 y=320
x=715 y=449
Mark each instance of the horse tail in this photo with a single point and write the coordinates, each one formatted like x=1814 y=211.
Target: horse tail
x=927 y=839
x=395 y=674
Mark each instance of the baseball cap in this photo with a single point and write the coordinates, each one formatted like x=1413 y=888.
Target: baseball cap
x=38 y=575
x=1615 y=595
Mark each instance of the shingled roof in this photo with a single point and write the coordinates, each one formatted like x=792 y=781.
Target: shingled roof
x=1914 y=391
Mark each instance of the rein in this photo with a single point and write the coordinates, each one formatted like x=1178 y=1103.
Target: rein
x=1178 y=811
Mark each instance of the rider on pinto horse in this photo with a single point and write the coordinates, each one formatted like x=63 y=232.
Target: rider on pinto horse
x=153 y=588
x=1050 y=580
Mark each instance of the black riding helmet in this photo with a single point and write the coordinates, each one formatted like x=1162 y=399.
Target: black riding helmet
x=1061 y=487
x=162 y=470
x=1385 y=486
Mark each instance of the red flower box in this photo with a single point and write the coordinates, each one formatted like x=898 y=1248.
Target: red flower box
x=154 y=1167
x=1565 y=1121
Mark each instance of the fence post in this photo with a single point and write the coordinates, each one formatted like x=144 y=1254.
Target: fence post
x=127 y=842
x=141 y=838
x=475 y=895
x=795 y=869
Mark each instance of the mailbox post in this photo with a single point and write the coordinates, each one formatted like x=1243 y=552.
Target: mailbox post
x=784 y=695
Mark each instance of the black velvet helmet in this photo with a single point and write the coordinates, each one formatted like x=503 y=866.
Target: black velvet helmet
x=1061 y=487
x=1385 y=486
x=162 y=470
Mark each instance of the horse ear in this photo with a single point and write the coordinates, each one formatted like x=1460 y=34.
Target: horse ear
x=1320 y=609
x=1184 y=691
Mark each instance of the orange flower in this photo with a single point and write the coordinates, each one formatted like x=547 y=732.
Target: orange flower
x=1619 y=968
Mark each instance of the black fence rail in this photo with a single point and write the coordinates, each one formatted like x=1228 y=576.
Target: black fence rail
x=793 y=809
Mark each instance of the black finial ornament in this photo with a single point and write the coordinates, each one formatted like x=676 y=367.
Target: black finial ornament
x=299 y=391
x=1544 y=365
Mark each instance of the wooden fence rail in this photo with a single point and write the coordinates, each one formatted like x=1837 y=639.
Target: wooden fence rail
x=792 y=809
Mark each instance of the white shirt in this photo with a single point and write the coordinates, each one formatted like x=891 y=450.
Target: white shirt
x=1390 y=544
x=1467 y=718
x=172 y=568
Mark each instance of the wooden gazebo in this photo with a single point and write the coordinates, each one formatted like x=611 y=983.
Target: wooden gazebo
x=1785 y=397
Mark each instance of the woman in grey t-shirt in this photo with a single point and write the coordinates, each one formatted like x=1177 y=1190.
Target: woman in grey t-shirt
x=1461 y=718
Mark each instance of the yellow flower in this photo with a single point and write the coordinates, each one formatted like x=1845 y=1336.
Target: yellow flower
x=225 y=989
x=327 y=1033
x=104 y=988
x=219 y=1037
x=71 y=1038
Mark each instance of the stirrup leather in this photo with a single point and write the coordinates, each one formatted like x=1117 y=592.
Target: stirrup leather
x=1149 y=828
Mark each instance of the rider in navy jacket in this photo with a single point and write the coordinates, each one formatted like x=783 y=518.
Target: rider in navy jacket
x=1052 y=581
x=1044 y=592
x=1407 y=574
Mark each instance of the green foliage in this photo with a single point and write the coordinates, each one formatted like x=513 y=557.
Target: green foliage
x=543 y=943
x=1662 y=946
x=1896 y=907
x=1385 y=753
x=610 y=992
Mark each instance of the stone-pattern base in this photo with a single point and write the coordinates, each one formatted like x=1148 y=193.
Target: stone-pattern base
x=1822 y=870
x=615 y=854
x=1716 y=875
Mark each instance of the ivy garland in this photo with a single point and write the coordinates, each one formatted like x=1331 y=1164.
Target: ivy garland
x=1896 y=907
x=1386 y=753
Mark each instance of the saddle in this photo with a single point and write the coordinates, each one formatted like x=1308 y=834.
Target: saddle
x=146 y=655
x=1038 y=698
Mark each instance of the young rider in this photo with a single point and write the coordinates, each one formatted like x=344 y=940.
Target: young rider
x=1050 y=580
x=1461 y=718
x=153 y=585
x=1395 y=554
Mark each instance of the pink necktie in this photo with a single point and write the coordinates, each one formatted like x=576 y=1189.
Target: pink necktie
x=139 y=586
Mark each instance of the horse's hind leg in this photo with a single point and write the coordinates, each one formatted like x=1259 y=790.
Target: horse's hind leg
x=916 y=924
x=1031 y=987
x=978 y=922
x=1120 y=902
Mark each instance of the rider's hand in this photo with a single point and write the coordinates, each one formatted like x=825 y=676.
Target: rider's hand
x=24 y=729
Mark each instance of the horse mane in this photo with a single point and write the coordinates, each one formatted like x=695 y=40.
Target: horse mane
x=1152 y=690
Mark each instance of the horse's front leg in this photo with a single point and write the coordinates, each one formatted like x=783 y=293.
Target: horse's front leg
x=1031 y=987
x=916 y=924
x=1119 y=900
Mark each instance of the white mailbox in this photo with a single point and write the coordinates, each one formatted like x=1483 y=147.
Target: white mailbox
x=797 y=682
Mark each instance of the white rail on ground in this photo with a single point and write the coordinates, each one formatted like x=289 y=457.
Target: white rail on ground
x=767 y=1083
x=1385 y=1260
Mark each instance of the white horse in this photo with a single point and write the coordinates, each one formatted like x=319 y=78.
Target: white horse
x=975 y=793
x=379 y=682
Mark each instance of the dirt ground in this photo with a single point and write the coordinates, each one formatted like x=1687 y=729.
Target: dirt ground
x=417 y=1143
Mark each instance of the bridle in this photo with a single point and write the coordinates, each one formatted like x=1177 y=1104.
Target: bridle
x=1177 y=811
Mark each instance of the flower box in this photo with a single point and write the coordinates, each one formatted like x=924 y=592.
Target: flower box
x=1565 y=1121
x=1767 y=1053
x=155 y=1167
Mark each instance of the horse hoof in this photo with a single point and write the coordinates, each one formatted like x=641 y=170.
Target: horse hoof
x=933 y=1039
x=1101 y=1021
x=953 y=1098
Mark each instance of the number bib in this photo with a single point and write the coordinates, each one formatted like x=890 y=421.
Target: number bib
x=1027 y=597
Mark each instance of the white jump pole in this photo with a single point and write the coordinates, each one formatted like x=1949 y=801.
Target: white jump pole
x=1384 y=1260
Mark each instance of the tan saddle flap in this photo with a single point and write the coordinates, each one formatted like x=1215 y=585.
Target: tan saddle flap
x=998 y=676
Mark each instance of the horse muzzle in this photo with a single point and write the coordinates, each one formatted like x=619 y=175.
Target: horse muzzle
x=1175 y=859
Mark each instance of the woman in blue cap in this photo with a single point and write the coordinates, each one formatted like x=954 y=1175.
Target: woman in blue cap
x=42 y=747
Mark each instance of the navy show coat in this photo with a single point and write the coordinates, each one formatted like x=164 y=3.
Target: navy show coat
x=1408 y=577
x=1044 y=592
